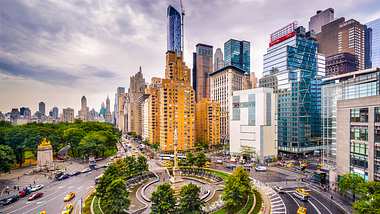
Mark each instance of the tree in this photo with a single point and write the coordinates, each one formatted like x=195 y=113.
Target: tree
x=7 y=158
x=163 y=200
x=236 y=189
x=351 y=182
x=190 y=202
x=368 y=205
x=112 y=172
x=116 y=197
x=200 y=159
x=142 y=164
x=73 y=136
x=189 y=159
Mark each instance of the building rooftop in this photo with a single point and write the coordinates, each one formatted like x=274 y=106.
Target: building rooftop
x=227 y=67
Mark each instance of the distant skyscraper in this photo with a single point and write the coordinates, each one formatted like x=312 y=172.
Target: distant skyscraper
x=119 y=109
x=108 y=114
x=218 y=59
x=25 y=112
x=134 y=102
x=67 y=115
x=320 y=19
x=41 y=107
x=174 y=42
x=374 y=43
x=84 y=111
x=202 y=67
x=55 y=112
x=237 y=53
x=15 y=114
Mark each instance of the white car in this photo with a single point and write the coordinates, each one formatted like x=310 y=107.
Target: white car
x=85 y=170
x=261 y=169
x=36 y=187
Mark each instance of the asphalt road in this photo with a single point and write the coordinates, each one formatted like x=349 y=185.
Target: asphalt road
x=52 y=200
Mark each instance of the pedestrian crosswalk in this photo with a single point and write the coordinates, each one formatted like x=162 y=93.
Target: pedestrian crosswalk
x=277 y=204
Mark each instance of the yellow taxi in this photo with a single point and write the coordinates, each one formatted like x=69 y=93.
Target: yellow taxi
x=69 y=196
x=68 y=209
x=42 y=212
x=301 y=210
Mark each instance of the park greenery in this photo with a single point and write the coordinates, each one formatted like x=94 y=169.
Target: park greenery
x=366 y=195
x=111 y=188
x=236 y=190
x=7 y=158
x=198 y=159
x=84 y=138
x=164 y=200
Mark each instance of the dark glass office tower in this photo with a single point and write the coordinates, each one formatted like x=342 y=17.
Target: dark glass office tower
x=174 y=30
x=237 y=53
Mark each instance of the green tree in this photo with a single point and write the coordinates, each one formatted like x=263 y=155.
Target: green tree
x=112 y=172
x=190 y=202
x=368 y=205
x=116 y=200
x=142 y=164
x=236 y=189
x=7 y=158
x=351 y=183
x=163 y=200
x=200 y=159
x=73 y=136
x=190 y=159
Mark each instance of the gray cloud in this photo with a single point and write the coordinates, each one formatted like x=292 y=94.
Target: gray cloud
x=100 y=43
x=37 y=72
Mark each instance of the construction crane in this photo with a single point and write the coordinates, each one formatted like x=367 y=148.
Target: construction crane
x=182 y=28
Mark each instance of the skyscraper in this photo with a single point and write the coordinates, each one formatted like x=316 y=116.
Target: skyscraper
x=55 y=113
x=202 y=67
x=237 y=53
x=293 y=60
x=174 y=30
x=177 y=105
x=341 y=63
x=108 y=114
x=223 y=83
x=207 y=122
x=134 y=102
x=41 y=108
x=321 y=18
x=218 y=59
x=84 y=110
x=25 y=112
x=374 y=43
x=340 y=36
x=154 y=110
x=67 y=115
x=119 y=109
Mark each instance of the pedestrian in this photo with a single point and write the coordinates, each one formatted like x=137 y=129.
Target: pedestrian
x=331 y=197
x=34 y=182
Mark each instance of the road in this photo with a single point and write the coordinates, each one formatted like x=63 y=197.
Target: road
x=52 y=201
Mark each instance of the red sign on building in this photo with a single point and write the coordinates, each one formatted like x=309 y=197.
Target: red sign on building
x=283 y=34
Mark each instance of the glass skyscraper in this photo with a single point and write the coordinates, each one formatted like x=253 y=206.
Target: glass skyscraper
x=174 y=30
x=294 y=69
x=237 y=53
x=374 y=27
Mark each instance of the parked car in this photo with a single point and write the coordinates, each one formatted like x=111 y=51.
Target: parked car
x=85 y=170
x=63 y=177
x=75 y=173
x=261 y=169
x=36 y=187
x=9 y=200
x=26 y=191
x=35 y=196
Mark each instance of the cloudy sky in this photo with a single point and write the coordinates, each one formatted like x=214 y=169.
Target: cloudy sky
x=56 y=51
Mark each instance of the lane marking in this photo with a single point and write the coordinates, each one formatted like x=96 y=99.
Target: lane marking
x=315 y=207
x=291 y=196
x=321 y=204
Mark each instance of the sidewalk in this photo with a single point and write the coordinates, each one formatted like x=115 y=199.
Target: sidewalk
x=22 y=178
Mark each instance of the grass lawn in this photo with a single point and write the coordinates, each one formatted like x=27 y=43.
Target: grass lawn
x=96 y=206
x=87 y=204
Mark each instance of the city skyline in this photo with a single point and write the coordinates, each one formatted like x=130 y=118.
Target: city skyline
x=68 y=58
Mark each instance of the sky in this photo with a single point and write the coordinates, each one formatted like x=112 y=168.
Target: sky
x=57 y=51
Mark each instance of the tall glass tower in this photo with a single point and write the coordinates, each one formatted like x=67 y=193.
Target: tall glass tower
x=292 y=63
x=237 y=53
x=174 y=30
x=374 y=43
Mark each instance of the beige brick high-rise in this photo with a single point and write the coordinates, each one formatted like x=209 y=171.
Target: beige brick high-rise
x=207 y=122
x=177 y=105
x=134 y=101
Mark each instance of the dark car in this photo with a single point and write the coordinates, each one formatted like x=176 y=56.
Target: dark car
x=9 y=200
x=75 y=173
x=63 y=177
x=35 y=196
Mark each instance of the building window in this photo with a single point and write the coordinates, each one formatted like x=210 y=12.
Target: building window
x=377 y=134
x=359 y=161
x=359 y=148
x=251 y=110
x=377 y=114
x=359 y=115
x=359 y=133
x=235 y=107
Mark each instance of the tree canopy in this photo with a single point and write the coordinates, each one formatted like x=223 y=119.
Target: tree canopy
x=163 y=200
x=190 y=202
x=81 y=136
x=7 y=158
